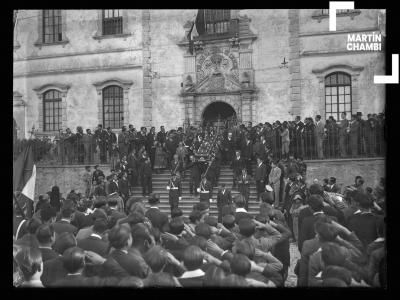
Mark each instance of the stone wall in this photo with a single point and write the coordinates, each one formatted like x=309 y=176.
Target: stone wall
x=70 y=177
x=345 y=170
x=148 y=53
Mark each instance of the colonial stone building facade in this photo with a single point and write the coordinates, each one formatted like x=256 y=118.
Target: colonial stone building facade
x=151 y=68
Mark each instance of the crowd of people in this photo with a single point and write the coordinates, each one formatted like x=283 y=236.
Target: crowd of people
x=100 y=242
x=108 y=237
x=352 y=136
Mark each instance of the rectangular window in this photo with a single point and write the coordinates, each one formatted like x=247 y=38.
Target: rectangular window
x=52 y=26
x=52 y=111
x=112 y=21
x=113 y=107
x=337 y=94
x=217 y=20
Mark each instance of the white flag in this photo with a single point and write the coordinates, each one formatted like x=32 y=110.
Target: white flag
x=29 y=188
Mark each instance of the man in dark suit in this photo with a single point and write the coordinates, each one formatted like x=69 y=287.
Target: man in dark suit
x=111 y=140
x=101 y=138
x=237 y=165
x=306 y=230
x=45 y=236
x=178 y=245
x=95 y=241
x=194 y=177
x=123 y=142
x=244 y=187
x=123 y=184
x=175 y=191
x=146 y=173
x=247 y=153
x=193 y=261
x=157 y=218
x=333 y=187
x=113 y=187
x=259 y=177
x=229 y=148
x=297 y=137
x=74 y=263
x=343 y=133
x=319 y=132
x=162 y=136
x=354 y=133
x=64 y=224
x=363 y=222
x=224 y=197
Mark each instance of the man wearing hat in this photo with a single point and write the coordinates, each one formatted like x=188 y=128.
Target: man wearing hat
x=123 y=142
x=362 y=134
x=244 y=187
x=157 y=218
x=146 y=174
x=175 y=193
x=343 y=125
x=205 y=190
x=111 y=140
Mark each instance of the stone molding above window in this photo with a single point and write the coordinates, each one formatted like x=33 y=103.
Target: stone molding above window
x=125 y=85
x=98 y=35
x=353 y=71
x=39 y=43
x=63 y=88
x=324 y=14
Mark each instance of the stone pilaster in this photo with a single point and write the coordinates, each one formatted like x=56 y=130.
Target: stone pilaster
x=147 y=77
x=247 y=109
x=294 y=62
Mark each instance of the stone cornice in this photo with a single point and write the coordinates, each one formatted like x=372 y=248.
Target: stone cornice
x=113 y=81
x=238 y=92
x=351 y=68
x=63 y=88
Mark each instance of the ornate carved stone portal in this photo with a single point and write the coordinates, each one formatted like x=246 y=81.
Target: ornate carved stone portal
x=219 y=70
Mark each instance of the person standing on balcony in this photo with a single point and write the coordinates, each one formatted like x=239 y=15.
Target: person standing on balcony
x=78 y=145
x=354 y=131
x=68 y=141
x=100 y=136
x=343 y=125
x=111 y=140
x=123 y=142
x=319 y=132
x=298 y=137
x=284 y=133
x=89 y=146
x=162 y=136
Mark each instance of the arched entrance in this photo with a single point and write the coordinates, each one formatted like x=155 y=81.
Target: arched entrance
x=218 y=110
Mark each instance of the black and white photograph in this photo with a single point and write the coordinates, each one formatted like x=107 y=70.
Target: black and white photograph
x=200 y=148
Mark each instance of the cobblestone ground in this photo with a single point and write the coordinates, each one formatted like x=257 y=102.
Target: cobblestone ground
x=291 y=280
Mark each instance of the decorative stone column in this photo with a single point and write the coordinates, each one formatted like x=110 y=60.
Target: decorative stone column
x=147 y=78
x=189 y=109
x=247 y=110
x=19 y=114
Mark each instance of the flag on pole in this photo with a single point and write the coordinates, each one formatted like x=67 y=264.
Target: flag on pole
x=29 y=189
x=22 y=173
x=197 y=24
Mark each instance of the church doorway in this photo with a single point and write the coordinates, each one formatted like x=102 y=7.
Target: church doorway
x=218 y=110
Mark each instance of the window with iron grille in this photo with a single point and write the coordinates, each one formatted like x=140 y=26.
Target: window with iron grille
x=52 y=110
x=337 y=94
x=113 y=107
x=112 y=21
x=52 y=26
x=217 y=20
x=338 y=11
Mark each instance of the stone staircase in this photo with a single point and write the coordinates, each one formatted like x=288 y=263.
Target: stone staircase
x=186 y=204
